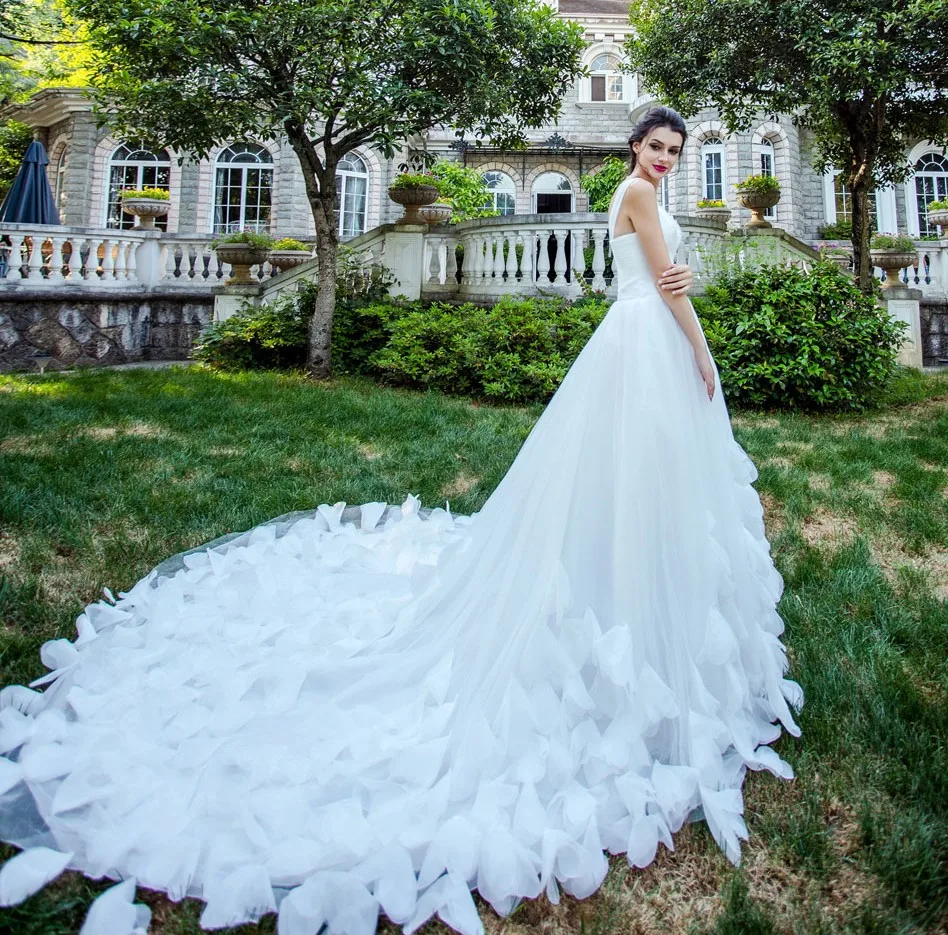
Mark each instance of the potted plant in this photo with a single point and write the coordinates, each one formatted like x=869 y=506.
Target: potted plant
x=438 y=212
x=842 y=257
x=288 y=253
x=146 y=204
x=411 y=191
x=758 y=192
x=713 y=210
x=892 y=254
x=242 y=250
x=938 y=213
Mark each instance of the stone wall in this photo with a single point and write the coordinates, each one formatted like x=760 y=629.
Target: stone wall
x=934 y=322
x=98 y=329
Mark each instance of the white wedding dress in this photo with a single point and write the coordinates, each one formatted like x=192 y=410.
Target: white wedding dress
x=381 y=708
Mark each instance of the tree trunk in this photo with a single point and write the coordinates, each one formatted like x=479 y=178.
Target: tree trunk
x=860 y=239
x=319 y=176
x=318 y=358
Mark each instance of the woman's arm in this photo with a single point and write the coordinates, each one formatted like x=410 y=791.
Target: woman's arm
x=641 y=208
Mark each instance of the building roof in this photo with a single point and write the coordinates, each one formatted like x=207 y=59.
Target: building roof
x=594 y=7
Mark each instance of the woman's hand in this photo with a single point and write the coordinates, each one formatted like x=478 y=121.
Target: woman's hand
x=706 y=369
x=677 y=279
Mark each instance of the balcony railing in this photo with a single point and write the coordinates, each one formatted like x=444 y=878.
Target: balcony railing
x=35 y=257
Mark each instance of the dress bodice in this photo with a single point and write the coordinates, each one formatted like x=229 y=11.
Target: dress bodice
x=628 y=259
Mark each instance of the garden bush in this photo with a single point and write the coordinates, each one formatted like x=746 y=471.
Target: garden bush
x=272 y=336
x=275 y=335
x=517 y=350
x=784 y=338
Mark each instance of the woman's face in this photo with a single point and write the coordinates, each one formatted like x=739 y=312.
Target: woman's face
x=657 y=154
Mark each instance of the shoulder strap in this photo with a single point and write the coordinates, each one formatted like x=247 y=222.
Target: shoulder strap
x=614 y=208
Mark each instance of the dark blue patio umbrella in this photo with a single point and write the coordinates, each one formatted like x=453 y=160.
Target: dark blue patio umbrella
x=30 y=200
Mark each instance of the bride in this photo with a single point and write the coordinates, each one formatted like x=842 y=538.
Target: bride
x=381 y=708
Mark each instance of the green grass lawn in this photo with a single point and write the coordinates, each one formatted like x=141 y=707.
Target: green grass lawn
x=104 y=474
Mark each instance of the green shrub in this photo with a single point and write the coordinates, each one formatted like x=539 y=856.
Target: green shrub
x=276 y=335
x=841 y=230
x=783 y=338
x=288 y=243
x=518 y=350
x=272 y=336
x=892 y=242
x=159 y=194
x=710 y=203
x=758 y=185
x=602 y=183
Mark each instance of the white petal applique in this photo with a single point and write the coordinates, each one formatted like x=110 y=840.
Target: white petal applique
x=28 y=872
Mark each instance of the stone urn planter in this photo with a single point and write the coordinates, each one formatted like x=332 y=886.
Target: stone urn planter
x=289 y=259
x=240 y=256
x=893 y=262
x=714 y=214
x=146 y=210
x=437 y=213
x=758 y=203
x=939 y=217
x=842 y=260
x=411 y=198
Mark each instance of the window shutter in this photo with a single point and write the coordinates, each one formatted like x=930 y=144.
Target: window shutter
x=598 y=87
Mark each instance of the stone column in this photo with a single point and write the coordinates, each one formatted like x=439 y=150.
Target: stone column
x=78 y=209
x=903 y=305
x=404 y=254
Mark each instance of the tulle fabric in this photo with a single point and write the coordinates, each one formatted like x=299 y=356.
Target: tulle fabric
x=383 y=707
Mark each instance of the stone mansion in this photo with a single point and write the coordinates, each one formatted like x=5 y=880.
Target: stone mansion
x=256 y=183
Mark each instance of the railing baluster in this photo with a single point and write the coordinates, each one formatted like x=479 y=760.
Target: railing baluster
x=599 y=260
x=559 y=264
x=543 y=257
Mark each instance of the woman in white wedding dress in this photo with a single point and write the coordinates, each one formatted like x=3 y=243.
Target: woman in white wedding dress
x=382 y=708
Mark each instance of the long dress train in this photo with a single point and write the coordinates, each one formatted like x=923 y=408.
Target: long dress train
x=382 y=707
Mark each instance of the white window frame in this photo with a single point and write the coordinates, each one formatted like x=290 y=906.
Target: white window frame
x=347 y=178
x=503 y=184
x=768 y=162
x=158 y=161
x=713 y=145
x=916 y=224
x=886 y=222
x=263 y=164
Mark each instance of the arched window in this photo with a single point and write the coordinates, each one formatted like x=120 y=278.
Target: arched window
x=931 y=184
x=767 y=168
x=712 y=169
x=552 y=194
x=243 y=188
x=503 y=193
x=132 y=166
x=352 y=189
x=605 y=79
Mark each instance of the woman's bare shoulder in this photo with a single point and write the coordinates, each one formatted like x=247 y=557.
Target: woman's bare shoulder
x=640 y=192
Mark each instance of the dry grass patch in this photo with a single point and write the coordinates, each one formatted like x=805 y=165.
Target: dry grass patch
x=224 y=451
x=37 y=446
x=823 y=527
x=818 y=481
x=777 y=461
x=461 y=484
x=9 y=551
x=774 y=515
x=795 y=446
x=369 y=452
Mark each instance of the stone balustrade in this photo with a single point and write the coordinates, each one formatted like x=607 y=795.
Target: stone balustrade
x=40 y=257
x=929 y=274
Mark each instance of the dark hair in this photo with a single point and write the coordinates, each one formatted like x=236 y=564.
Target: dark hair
x=652 y=119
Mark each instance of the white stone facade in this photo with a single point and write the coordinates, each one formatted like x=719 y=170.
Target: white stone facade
x=587 y=130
